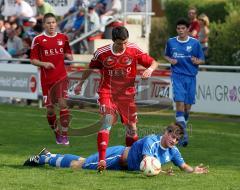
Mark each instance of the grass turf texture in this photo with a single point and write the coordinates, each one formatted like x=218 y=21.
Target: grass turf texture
x=215 y=141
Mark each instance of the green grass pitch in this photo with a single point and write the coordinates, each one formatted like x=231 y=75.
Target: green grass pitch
x=215 y=141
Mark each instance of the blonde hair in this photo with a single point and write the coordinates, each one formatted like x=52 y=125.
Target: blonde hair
x=204 y=18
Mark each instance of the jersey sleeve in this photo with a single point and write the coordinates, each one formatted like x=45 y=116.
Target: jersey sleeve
x=177 y=158
x=200 y=53
x=95 y=62
x=35 y=49
x=147 y=146
x=167 y=49
x=67 y=48
x=143 y=58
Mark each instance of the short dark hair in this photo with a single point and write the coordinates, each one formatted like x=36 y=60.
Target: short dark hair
x=48 y=15
x=175 y=128
x=120 y=33
x=183 y=21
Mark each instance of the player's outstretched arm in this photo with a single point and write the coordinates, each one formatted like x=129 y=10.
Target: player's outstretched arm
x=200 y=169
x=86 y=73
x=148 y=72
x=46 y=65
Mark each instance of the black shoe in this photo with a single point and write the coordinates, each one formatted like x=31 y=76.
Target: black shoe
x=32 y=161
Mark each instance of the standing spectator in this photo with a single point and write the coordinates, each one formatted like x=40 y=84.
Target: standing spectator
x=204 y=32
x=48 y=51
x=117 y=63
x=194 y=27
x=14 y=44
x=43 y=8
x=185 y=54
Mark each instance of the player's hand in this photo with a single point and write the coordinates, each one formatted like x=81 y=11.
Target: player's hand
x=172 y=61
x=48 y=65
x=147 y=73
x=195 y=60
x=78 y=88
x=201 y=169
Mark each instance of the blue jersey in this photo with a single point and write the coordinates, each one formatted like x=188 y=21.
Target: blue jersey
x=183 y=51
x=150 y=146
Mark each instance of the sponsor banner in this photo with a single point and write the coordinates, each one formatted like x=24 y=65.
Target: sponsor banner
x=60 y=6
x=154 y=91
x=19 y=81
x=218 y=92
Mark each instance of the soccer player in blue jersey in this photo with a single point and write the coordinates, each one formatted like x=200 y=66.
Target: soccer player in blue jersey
x=161 y=147
x=185 y=55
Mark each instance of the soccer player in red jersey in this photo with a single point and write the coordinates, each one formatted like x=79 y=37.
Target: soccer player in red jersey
x=48 y=51
x=117 y=63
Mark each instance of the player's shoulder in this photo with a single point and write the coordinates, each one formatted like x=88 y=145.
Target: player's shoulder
x=102 y=50
x=172 y=39
x=193 y=40
x=61 y=34
x=152 y=138
x=134 y=46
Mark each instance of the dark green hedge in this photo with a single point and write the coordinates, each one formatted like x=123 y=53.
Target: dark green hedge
x=175 y=9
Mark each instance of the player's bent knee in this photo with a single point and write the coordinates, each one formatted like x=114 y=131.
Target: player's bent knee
x=107 y=122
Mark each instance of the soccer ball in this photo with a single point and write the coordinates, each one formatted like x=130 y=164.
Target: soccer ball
x=150 y=166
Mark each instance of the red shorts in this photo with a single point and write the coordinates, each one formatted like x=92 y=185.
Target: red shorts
x=123 y=105
x=55 y=91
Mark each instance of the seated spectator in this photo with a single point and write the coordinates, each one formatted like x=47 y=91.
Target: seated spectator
x=23 y=11
x=4 y=54
x=43 y=8
x=113 y=7
x=93 y=19
x=14 y=44
x=77 y=4
x=2 y=29
x=29 y=30
x=77 y=26
x=204 y=32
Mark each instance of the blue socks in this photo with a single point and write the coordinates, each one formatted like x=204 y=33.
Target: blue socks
x=58 y=160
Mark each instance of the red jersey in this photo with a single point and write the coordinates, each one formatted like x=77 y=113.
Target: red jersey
x=194 y=25
x=51 y=49
x=118 y=72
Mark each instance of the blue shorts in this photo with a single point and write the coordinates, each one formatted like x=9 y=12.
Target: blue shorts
x=113 y=156
x=184 y=88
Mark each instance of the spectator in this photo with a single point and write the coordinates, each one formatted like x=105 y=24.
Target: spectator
x=43 y=8
x=113 y=7
x=93 y=19
x=194 y=24
x=2 y=29
x=204 y=32
x=14 y=44
x=77 y=25
x=77 y=4
x=23 y=11
x=30 y=32
x=4 y=54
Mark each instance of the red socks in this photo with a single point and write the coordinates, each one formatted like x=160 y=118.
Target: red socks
x=64 y=121
x=130 y=140
x=102 y=142
x=52 y=121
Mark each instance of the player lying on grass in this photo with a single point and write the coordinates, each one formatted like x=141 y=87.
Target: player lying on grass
x=161 y=147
